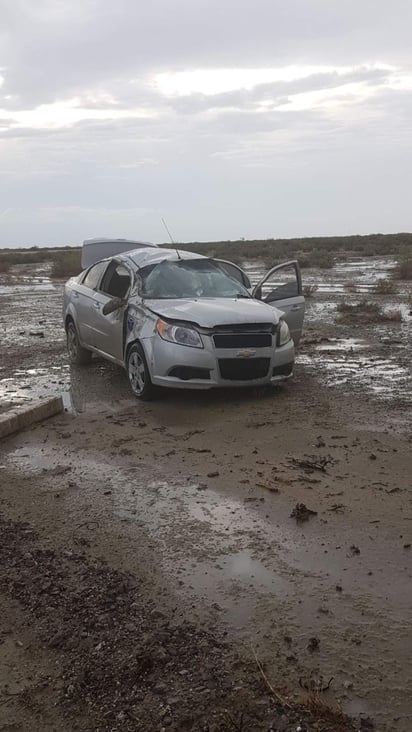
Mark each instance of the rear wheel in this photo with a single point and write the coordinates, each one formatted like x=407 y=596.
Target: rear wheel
x=138 y=373
x=77 y=354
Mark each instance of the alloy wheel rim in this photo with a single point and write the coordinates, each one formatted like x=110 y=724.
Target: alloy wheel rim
x=137 y=373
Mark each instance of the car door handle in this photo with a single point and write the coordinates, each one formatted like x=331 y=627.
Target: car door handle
x=75 y=294
x=96 y=305
x=296 y=307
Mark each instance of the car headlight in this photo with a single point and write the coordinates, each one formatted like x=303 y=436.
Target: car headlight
x=283 y=333
x=179 y=334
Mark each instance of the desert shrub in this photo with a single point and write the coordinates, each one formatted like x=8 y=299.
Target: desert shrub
x=351 y=286
x=310 y=290
x=4 y=265
x=322 y=260
x=66 y=264
x=309 y=250
x=384 y=287
x=366 y=312
x=403 y=270
x=360 y=307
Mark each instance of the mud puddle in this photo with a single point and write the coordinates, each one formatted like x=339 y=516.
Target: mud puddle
x=240 y=541
x=27 y=279
x=348 y=362
x=238 y=563
x=240 y=538
x=27 y=385
x=30 y=287
x=341 y=344
x=99 y=388
x=370 y=267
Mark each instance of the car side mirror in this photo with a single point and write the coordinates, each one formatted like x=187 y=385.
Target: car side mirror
x=115 y=304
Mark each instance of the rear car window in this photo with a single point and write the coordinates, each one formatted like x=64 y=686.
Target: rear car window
x=93 y=275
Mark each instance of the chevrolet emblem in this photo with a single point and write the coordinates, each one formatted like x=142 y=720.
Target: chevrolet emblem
x=246 y=353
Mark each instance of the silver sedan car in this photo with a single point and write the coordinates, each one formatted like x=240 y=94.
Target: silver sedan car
x=178 y=319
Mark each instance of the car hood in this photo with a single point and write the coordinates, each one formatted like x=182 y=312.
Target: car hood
x=209 y=312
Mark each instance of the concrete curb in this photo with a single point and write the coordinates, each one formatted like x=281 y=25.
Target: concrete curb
x=19 y=419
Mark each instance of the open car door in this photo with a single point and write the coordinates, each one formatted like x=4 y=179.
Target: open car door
x=282 y=288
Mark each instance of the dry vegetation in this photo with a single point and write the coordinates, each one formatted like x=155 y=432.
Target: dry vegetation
x=403 y=270
x=65 y=261
x=25 y=256
x=385 y=287
x=310 y=251
x=320 y=252
x=4 y=266
x=321 y=260
x=66 y=264
x=310 y=290
x=321 y=709
x=351 y=286
x=367 y=312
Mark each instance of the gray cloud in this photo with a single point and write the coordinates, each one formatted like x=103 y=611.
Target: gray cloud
x=216 y=165
x=53 y=49
x=277 y=92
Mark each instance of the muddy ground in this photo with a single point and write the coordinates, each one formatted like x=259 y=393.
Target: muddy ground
x=152 y=573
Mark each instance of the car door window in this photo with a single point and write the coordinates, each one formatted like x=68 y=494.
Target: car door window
x=93 y=275
x=116 y=281
x=282 y=283
x=281 y=288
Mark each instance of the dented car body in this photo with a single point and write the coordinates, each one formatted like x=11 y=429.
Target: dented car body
x=178 y=319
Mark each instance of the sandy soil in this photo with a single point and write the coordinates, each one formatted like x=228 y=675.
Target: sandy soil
x=158 y=568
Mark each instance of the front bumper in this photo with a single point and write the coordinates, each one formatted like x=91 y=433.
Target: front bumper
x=181 y=367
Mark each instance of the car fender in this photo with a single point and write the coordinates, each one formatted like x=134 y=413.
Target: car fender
x=70 y=314
x=139 y=328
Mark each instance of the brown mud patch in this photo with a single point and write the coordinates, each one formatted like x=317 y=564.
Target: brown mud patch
x=123 y=664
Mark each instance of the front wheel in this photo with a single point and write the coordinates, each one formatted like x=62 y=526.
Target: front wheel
x=138 y=373
x=77 y=354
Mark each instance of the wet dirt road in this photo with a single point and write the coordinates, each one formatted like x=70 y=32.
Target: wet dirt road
x=194 y=494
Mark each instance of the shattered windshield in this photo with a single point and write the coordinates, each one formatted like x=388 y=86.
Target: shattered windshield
x=188 y=278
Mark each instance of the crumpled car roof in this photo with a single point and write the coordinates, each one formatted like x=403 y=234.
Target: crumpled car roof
x=144 y=257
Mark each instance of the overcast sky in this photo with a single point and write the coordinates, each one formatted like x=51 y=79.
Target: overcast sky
x=229 y=118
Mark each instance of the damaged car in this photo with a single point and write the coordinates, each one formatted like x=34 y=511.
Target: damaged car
x=179 y=319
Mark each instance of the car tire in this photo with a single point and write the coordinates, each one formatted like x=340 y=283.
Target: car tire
x=138 y=374
x=77 y=354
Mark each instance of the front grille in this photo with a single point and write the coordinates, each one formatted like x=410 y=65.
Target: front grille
x=237 y=369
x=243 y=335
x=242 y=340
x=245 y=328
